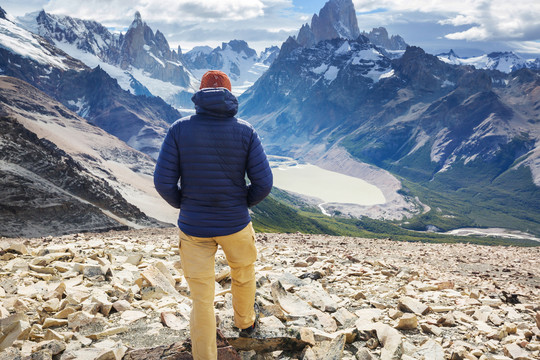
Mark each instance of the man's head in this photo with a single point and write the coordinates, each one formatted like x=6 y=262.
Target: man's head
x=215 y=79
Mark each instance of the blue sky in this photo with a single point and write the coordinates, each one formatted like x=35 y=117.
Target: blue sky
x=470 y=27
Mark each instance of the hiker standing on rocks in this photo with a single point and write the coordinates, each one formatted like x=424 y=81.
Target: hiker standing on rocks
x=201 y=170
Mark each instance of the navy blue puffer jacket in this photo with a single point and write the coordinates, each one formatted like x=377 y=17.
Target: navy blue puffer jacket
x=202 y=165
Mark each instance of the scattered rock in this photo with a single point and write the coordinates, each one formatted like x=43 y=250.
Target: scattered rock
x=407 y=322
x=431 y=329
x=271 y=336
x=431 y=350
x=514 y=351
x=290 y=303
x=130 y=316
x=172 y=321
x=119 y=300
x=55 y=347
x=391 y=340
x=364 y=354
x=12 y=328
x=447 y=320
x=407 y=304
x=79 y=319
x=335 y=348
x=121 y=305
x=18 y=248
x=394 y=314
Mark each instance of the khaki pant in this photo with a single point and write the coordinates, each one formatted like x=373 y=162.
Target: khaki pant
x=197 y=255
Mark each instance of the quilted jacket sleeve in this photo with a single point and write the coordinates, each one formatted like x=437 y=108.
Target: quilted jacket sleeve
x=167 y=172
x=258 y=172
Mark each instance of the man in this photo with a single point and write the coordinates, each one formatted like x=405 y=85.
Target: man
x=210 y=154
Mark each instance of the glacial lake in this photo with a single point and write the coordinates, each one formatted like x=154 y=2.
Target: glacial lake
x=329 y=186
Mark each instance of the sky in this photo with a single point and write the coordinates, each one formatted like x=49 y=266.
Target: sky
x=469 y=27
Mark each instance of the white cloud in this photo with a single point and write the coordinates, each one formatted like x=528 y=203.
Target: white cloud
x=489 y=19
x=473 y=34
x=477 y=24
x=526 y=47
x=458 y=20
x=169 y=11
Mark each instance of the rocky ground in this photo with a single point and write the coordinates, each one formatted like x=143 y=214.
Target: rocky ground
x=121 y=295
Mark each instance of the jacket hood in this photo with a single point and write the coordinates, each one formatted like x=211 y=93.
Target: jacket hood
x=216 y=102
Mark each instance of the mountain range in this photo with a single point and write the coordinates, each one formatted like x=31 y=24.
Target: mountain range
x=505 y=61
x=462 y=139
x=459 y=136
x=141 y=60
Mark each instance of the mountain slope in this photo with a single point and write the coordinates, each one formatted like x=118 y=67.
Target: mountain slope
x=139 y=120
x=464 y=141
x=140 y=60
x=73 y=165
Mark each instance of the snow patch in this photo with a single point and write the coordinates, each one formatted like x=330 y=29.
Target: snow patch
x=343 y=49
x=387 y=74
x=331 y=74
x=320 y=69
x=157 y=59
x=447 y=83
x=21 y=42
x=364 y=56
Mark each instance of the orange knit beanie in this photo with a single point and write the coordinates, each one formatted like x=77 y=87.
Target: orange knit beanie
x=214 y=79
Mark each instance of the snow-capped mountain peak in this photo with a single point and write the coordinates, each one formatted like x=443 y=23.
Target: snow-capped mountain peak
x=235 y=58
x=140 y=60
x=337 y=19
x=502 y=61
x=28 y=45
x=137 y=21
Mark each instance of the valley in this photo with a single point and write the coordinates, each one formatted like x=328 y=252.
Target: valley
x=381 y=138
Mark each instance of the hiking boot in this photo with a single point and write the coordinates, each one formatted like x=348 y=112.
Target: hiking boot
x=250 y=331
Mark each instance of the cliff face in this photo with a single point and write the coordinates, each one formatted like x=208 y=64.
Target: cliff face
x=142 y=49
x=57 y=170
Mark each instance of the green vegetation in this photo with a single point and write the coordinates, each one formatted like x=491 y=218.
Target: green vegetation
x=482 y=193
x=276 y=214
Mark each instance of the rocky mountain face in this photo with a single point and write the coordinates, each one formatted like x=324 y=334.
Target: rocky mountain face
x=56 y=178
x=379 y=36
x=337 y=19
x=449 y=128
x=140 y=121
x=122 y=295
x=240 y=62
x=136 y=59
x=142 y=49
x=305 y=93
x=269 y=54
x=45 y=192
x=142 y=61
x=86 y=35
x=502 y=61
